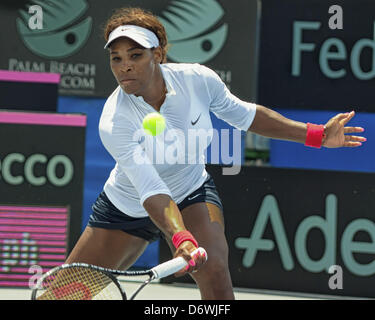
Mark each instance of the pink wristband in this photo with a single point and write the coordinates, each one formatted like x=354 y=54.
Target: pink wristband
x=314 y=136
x=183 y=236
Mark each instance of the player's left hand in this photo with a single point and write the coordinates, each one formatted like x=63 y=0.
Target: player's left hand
x=338 y=135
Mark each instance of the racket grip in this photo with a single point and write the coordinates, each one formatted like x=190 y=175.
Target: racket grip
x=172 y=266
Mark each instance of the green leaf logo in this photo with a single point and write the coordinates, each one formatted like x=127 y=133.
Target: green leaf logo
x=190 y=28
x=62 y=34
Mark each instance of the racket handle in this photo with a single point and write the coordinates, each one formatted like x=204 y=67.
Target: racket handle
x=172 y=266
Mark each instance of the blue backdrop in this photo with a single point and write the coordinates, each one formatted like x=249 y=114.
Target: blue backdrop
x=294 y=155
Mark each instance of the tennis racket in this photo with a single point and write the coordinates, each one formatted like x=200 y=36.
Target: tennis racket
x=81 y=281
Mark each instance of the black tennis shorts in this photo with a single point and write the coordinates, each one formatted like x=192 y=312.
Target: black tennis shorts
x=106 y=215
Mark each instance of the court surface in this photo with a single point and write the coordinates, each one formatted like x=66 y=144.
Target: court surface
x=158 y=291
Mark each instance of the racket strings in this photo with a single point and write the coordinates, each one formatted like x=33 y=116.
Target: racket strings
x=78 y=283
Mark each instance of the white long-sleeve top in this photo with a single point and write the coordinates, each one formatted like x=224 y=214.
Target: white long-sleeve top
x=173 y=162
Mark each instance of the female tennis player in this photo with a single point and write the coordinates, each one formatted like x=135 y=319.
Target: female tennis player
x=142 y=200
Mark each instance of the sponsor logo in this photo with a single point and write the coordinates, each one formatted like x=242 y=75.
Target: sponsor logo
x=191 y=30
x=348 y=247
x=195 y=122
x=332 y=50
x=58 y=31
x=37 y=170
x=192 y=198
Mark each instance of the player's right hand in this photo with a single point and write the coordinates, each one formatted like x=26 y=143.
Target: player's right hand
x=195 y=260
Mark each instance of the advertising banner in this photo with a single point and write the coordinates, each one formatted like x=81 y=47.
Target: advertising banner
x=300 y=231
x=317 y=54
x=66 y=37
x=41 y=170
x=28 y=91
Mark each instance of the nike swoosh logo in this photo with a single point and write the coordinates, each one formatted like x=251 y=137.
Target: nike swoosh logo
x=195 y=122
x=191 y=198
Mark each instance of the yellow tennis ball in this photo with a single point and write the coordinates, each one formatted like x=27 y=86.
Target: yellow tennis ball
x=154 y=123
